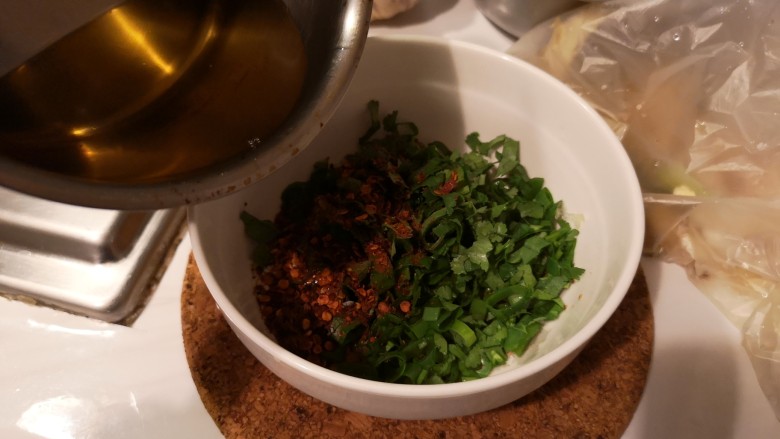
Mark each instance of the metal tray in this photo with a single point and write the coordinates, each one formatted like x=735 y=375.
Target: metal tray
x=94 y=262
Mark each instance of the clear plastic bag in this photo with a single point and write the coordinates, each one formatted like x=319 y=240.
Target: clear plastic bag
x=692 y=88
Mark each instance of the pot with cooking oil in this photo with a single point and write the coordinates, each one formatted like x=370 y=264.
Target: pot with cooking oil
x=159 y=103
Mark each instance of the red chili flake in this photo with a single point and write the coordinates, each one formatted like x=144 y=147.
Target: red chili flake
x=325 y=277
x=383 y=308
x=400 y=228
x=448 y=185
x=381 y=261
x=266 y=279
x=405 y=306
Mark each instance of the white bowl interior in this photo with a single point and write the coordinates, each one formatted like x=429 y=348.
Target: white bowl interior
x=450 y=89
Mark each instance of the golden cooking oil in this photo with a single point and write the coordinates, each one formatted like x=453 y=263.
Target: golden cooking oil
x=151 y=90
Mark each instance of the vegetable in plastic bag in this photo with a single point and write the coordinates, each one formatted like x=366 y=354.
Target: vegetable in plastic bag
x=692 y=88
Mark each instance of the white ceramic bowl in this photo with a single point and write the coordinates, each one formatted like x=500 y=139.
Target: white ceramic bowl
x=449 y=89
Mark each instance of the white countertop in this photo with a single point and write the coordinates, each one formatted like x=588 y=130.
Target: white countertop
x=65 y=376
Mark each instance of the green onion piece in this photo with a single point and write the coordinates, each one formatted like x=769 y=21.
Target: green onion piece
x=463 y=335
x=431 y=314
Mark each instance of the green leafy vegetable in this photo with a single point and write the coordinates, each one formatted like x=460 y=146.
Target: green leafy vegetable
x=262 y=232
x=474 y=270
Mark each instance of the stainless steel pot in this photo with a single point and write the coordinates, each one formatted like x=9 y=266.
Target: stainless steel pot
x=333 y=35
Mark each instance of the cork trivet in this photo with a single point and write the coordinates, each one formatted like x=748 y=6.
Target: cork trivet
x=594 y=397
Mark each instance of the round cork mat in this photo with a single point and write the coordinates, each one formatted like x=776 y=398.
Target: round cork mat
x=594 y=397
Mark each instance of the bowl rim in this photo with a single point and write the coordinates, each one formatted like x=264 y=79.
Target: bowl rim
x=568 y=348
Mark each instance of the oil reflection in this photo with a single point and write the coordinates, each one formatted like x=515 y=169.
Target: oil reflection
x=52 y=418
x=101 y=333
x=136 y=35
x=69 y=416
